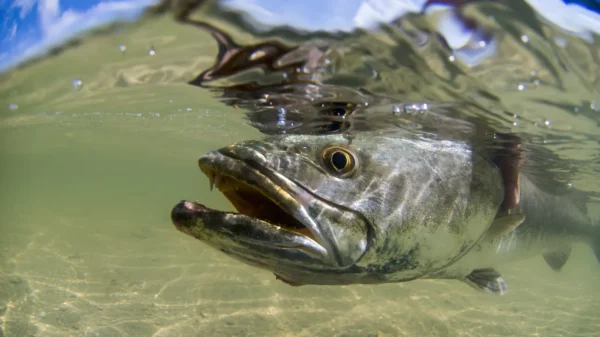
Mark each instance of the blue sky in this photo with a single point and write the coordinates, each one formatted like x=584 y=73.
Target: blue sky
x=29 y=27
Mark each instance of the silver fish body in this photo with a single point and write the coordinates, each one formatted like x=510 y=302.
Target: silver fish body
x=552 y=224
x=374 y=208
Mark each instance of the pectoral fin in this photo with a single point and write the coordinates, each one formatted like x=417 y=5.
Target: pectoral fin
x=505 y=224
x=488 y=280
x=557 y=259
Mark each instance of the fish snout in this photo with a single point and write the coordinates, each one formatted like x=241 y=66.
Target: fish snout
x=247 y=151
x=184 y=214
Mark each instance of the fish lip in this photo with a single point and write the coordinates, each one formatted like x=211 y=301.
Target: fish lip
x=185 y=216
x=280 y=190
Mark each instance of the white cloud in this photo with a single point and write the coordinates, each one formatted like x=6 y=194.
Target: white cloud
x=250 y=7
x=48 y=11
x=57 y=25
x=13 y=32
x=308 y=15
x=572 y=18
x=25 y=6
x=373 y=12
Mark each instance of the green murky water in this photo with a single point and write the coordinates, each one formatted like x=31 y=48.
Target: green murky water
x=89 y=175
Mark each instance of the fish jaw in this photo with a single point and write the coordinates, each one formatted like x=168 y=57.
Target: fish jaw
x=236 y=233
x=273 y=228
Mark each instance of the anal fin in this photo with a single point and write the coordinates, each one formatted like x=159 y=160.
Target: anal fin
x=556 y=259
x=488 y=280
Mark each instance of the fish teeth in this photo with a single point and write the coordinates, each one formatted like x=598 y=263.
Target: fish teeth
x=212 y=181
x=218 y=179
x=215 y=180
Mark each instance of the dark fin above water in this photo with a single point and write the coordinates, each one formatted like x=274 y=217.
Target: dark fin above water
x=557 y=259
x=505 y=224
x=488 y=280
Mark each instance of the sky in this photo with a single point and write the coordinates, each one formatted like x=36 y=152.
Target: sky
x=30 y=27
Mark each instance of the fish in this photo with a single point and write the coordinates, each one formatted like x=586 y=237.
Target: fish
x=377 y=207
x=547 y=225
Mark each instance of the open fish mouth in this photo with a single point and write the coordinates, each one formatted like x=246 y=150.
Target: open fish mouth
x=271 y=219
x=251 y=201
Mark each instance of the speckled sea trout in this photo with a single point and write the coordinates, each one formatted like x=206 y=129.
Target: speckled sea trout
x=376 y=209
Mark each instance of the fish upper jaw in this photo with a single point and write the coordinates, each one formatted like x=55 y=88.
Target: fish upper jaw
x=243 y=166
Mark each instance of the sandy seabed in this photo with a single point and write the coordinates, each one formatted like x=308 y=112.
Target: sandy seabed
x=158 y=282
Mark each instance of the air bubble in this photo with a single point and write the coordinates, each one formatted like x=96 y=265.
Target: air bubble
x=561 y=42
x=77 y=84
x=521 y=87
x=151 y=51
x=525 y=38
x=122 y=48
x=281 y=117
x=548 y=122
x=396 y=110
x=451 y=58
x=13 y=106
x=415 y=108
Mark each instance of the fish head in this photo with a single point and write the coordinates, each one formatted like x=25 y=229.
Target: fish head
x=333 y=209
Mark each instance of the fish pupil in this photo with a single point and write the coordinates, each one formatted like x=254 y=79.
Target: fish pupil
x=339 y=161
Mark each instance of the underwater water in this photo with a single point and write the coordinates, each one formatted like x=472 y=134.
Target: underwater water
x=99 y=141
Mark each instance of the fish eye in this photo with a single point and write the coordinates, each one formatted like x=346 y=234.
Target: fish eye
x=339 y=161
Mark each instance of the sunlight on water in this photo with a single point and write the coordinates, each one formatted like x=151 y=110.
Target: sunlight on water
x=100 y=141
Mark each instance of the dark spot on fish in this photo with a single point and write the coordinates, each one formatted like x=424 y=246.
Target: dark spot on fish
x=404 y=262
